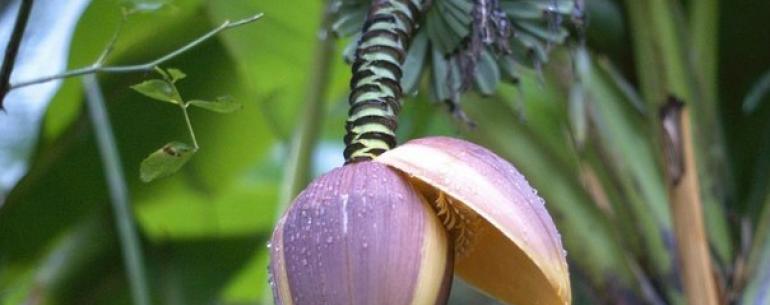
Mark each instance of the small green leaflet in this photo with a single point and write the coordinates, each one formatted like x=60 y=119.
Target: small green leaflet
x=175 y=74
x=223 y=104
x=165 y=161
x=158 y=89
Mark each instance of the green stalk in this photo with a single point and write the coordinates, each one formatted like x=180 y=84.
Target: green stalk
x=189 y=125
x=297 y=171
x=671 y=48
x=113 y=171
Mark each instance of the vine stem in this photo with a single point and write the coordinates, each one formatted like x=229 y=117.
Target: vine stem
x=148 y=66
x=119 y=197
x=12 y=50
x=189 y=126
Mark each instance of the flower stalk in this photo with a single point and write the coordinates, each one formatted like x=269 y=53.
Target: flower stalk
x=375 y=98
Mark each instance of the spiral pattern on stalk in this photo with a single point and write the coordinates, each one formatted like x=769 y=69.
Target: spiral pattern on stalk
x=375 y=96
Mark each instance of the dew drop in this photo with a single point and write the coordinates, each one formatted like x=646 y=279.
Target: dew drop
x=322 y=35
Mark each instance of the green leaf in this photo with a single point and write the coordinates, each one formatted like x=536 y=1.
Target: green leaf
x=541 y=30
x=536 y=10
x=349 y=22
x=223 y=104
x=165 y=161
x=175 y=74
x=158 y=89
x=440 y=64
x=487 y=74
x=415 y=62
x=577 y=114
x=510 y=68
x=437 y=32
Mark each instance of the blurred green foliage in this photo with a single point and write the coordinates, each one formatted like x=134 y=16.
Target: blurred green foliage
x=581 y=134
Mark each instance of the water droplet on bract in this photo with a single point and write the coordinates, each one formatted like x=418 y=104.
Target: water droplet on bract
x=304 y=262
x=269 y=245
x=271 y=281
x=329 y=240
x=365 y=245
